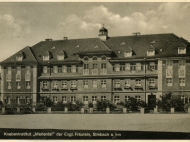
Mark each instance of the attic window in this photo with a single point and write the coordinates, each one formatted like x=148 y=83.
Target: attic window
x=19 y=57
x=103 y=58
x=60 y=56
x=77 y=46
x=96 y=46
x=94 y=58
x=123 y=43
x=181 y=50
x=127 y=53
x=46 y=57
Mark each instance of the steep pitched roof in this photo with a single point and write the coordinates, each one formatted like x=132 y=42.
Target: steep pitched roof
x=163 y=44
x=28 y=57
x=68 y=46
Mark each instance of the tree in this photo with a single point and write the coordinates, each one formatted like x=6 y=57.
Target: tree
x=167 y=101
x=75 y=106
x=48 y=102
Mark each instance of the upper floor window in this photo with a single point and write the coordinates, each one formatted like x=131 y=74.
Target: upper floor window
x=127 y=53
x=86 y=66
x=94 y=84
x=45 y=84
x=27 y=84
x=151 y=82
x=27 y=69
x=103 y=58
x=85 y=83
x=55 y=69
x=103 y=65
x=181 y=81
x=117 y=83
x=46 y=57
x=60 y=56
x=181 y=64
x=85 y=59
x=19 y=57
x=152 y=66
x=138 y=82
x=73 y=68
x=18 y=71
x=181 y=50
x=45 y=69
x=127 y=82
x=169 y=64
x=127 y=66
x=9 y=70
x=18 y=85
x=73 y=84
x=64 y=84
x=138 y=66
x=169 y=81
x=55 y=85
x=103 y=98
x=8 y=85
x=103 y=83
x=138 y=98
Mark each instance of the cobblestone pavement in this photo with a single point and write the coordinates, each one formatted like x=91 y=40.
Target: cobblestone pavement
x=136 y=122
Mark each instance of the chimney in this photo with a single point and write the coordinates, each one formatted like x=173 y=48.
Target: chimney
x=48 y=39
x=137 y=33
x=65 y=38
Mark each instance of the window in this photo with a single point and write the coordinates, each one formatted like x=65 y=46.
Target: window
x=169 y=64
x=103 y=68
x=181 y=68
x=122 y=67
x=27 y=84
x=55 y=69
x=64 y=99
x=117 y=83
x=8 y=85
x=151 y=82
x=103 y=98
x=95 y=69
x=55 y=85
x=152 y=66
x=86 y=66
x=169 y=81
x=18 y=71
x=94 y=99
x=138 y=66
x=127 y=98
x=138 y=82
x=18 y=100
x=117 y=67
x=27 y=69
x=68 y=69
x=103 y=58
x=60 y=56
x=182 y=82
x=150 y=53
x=28 y=100
x=86 y=69
x=181 y=50
x=95 y=66
x=19 y=57
x=116 y=99
x=46 y=57
x=64 y=69
x=183 y=98
x=127 y=82
x=169 y=70
x=18 y=86
x=94 y=58
x=94 y=84
x=85 y=59
x=85 y=99
x=55 y=99
x=85 y=84
x=73 y=84
x=18 y=77
x=73 y=99
x=138 y=98
x=45 y=85
x=45 y=69
x=127 y=54
x=127 y=66
x=73 y=68
x=103 y=83
x=64 y=84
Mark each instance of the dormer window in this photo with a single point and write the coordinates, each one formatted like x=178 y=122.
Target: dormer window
x=103 y=58
x=85 y=59
x=60 y=56
x=182 y=50
x=19 y=57
x=150 y=53
x=127 y=53
x=46 y=57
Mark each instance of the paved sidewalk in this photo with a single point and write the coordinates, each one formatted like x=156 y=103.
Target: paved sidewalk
x=136 y=122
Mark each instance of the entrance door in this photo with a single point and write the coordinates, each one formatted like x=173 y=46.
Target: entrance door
x=152 y=101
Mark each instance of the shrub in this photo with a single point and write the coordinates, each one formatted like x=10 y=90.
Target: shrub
x=26 y=109
x=40 y=107
x=90 y=105
x=102 y=105
x=75 y=106
x=167 y=101
x=48 y=102
x=59 y=106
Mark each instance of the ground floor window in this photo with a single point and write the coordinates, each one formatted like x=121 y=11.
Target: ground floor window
x=85 y=83
x=138 y=98
x=94 y=99
x=55 y=99
x=18 y=86
x=73 y=99
x=127 y=98
x=18 y=100
x=27 y=84
x=85 y=99
x=103 y=98
x=116 y=99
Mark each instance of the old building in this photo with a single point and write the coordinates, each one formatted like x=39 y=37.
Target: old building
x=111 y=68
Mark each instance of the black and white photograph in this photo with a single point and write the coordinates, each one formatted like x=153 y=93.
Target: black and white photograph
x=78 y=70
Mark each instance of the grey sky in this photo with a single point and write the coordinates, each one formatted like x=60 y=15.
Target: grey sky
x=27 y=23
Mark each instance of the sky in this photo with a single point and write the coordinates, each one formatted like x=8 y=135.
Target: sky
x=28 y=23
